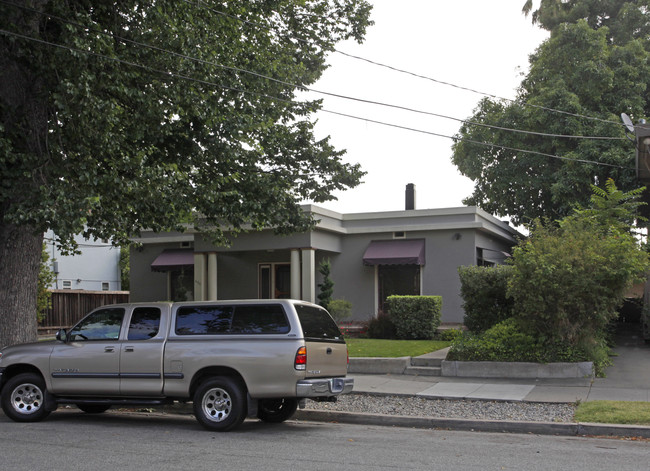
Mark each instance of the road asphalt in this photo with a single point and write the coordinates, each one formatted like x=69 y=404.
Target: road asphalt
x=628 y=379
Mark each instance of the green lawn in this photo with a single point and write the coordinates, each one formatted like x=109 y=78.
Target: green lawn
x=392 y=348
x=614 y=412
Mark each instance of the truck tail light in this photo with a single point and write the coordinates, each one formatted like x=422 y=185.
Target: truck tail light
x=301 y=359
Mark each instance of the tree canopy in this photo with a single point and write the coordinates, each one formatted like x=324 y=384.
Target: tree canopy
x=119 y=116
x=594 y=66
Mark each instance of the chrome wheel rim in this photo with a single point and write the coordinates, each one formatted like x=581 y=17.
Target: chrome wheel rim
x=27 y=399
x=217 y=404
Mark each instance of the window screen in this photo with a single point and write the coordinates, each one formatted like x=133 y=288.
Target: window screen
x=202 y=320
x=255 y=319
x=240 y=319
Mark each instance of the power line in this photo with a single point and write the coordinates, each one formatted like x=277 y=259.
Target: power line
x=403 y=71
x=295 y=86
x=262 y=95
x=471 y=141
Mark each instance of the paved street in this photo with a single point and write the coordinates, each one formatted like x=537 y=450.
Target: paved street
x=70 y=440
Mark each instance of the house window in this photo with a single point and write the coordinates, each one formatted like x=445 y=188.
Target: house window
x=400 y=280
x=274 y=281
x=66 y=284
x=105 y=285
x=480 y=259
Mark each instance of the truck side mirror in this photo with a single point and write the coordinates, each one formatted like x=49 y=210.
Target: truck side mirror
x=62 y=335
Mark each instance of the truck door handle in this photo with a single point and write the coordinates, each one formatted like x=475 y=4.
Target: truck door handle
x=109 y=349
x=129 y=349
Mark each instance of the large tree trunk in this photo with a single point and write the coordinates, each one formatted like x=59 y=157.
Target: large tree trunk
x=20 y=256
x=24 y=116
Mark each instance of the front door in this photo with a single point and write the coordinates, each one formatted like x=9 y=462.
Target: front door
x=142 y=351
x=89 y=362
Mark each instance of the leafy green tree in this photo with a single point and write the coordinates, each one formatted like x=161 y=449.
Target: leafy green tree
x=327 y=286
x=587 y=67
x=569 y=279
x=118 y=116
x=624 y=19
x=483 y=290
x=613 y=210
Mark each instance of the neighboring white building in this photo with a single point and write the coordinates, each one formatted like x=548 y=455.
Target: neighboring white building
x=97 y=268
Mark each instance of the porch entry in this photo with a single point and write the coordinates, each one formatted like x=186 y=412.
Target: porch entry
x=193 y=275
x=274 y=281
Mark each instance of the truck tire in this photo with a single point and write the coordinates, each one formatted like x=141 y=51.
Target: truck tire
x=220 y=404
x=93 y=408
x=276 y=410
x=23 y=398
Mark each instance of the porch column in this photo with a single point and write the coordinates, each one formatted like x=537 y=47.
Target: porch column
x=212 y=277
x=200 y=277
x=309 y=275
x=295 y=274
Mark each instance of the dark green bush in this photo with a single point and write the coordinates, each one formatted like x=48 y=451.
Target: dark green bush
x=483 y=290
x=506 y=342
x=415 y=317
x=381 y=327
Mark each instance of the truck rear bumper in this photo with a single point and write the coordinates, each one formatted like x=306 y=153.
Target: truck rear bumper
x=323 y=387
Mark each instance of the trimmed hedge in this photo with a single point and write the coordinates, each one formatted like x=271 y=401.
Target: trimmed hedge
x=483 y=290
x=415 y=317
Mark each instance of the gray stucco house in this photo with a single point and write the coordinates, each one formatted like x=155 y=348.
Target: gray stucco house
x=372 y=255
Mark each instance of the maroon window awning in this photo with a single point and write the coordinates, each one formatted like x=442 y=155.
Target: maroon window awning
x=171 y=259
x=395 y=252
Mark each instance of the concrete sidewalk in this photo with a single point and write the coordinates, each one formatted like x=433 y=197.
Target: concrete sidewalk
x=538 y=390
x=628 y=379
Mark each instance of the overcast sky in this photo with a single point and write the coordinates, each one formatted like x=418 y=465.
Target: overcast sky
x=477 y=44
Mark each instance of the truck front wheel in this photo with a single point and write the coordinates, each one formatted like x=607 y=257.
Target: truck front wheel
x=220 y=404
x=23 y=398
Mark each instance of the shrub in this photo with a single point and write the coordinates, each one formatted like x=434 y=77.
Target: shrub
x=483 y=290
x=339 y=309
x=450 y=335
x=381 y=327
x=568 y=282
x=415 y=317
x=507 y=342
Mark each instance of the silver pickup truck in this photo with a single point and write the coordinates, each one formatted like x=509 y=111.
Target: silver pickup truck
x=232 y=359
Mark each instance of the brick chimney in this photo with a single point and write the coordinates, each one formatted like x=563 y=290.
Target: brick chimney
x=410 y=196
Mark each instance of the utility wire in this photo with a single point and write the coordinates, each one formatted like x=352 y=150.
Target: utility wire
x=471 y=141
x=262 y=95
x=320 y=92
x=396 y=69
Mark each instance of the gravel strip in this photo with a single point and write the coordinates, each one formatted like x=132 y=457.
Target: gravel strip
x=451 y=409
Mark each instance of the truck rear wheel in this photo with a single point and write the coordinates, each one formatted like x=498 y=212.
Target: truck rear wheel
x=220 y=404
x=277 y=410
x=23 y=398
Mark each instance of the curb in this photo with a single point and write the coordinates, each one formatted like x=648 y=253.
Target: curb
x=467 y=425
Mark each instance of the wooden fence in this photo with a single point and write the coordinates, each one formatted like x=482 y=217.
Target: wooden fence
x=68 y=306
